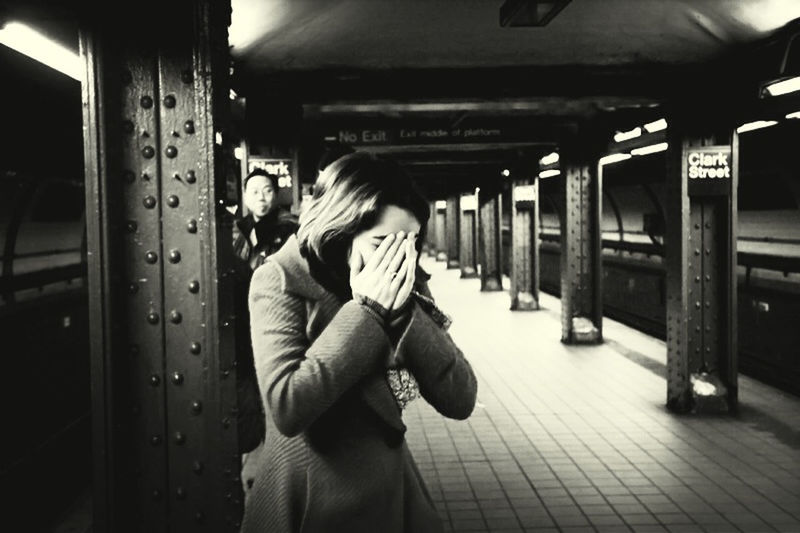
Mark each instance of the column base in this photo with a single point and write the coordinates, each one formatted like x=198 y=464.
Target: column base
x=709 y=394
x=441 y=256
x=452 y=263
x=468 y=273
x=491 y=284
x=583 y=331
x=524 y=301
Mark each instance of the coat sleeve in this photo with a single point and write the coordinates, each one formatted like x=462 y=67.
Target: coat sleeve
x=444 y=375
x=300 y=380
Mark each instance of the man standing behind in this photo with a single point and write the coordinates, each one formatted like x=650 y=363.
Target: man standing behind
x=264 y=230
x=259 y=234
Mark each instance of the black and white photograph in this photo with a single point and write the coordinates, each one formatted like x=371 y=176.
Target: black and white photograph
x=400 y=266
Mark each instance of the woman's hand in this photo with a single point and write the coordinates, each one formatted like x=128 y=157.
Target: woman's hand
x=408 y=271
x=379 y=279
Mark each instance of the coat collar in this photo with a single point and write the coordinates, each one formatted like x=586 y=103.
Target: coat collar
x=297 y=277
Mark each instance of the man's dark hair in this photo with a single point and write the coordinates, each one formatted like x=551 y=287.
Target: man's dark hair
x=261 y=172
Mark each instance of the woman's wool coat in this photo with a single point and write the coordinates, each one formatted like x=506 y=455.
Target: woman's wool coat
x=335 y=457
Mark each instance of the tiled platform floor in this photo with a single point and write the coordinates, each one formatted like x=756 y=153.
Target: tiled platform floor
x=578 y=439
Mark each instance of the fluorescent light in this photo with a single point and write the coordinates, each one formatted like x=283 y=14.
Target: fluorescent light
x=549 y=173
x=757 y=125
x=549 y=159
x=627 y=135
x=506 y=172
x=782 y=87
x=655 y=126
x=653 y=148
x=796 y=114
x=613 y=158
x=33 y=44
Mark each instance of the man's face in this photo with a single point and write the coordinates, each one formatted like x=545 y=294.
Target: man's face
x=259 y=195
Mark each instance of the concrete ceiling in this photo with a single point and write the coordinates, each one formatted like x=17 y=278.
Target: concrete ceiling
x=302 y=35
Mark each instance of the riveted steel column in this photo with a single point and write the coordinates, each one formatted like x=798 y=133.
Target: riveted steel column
x=581 y=260
x=430 y=236
x=453 y=230
x=468 y=236
x=165 y=441
x=490 y=248
x=524 y=244
x=700 y=257
x=440 y=212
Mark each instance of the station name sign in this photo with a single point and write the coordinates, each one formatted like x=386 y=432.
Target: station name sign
x=468 y=202
x=279 y=167
x=525 y=196
x=708 y=169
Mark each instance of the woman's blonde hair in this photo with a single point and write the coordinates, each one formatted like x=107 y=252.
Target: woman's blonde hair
x=348 y=197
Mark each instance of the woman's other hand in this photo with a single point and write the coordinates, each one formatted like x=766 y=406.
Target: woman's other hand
x=379 y=279
x=408 y=271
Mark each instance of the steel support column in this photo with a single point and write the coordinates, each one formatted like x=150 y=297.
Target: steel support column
x=525 y=244
x=164 y=395
x=441 y=229
x=701 y=214
x=430 y=236
x=581 y=260
x=468 y=235
x=490 y=249
x=453 y=230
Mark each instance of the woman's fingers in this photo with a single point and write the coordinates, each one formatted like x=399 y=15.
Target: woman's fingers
x=380 y=252
x=387 y=258
x=397 y=260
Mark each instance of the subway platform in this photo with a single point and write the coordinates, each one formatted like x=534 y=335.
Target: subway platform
x=578 y=439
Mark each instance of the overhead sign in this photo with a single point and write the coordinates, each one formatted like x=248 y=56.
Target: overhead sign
x=469 y=202
x=403 y=133
x=441 y=204
x=525 y=196
x=280 y=167
x=708 y=169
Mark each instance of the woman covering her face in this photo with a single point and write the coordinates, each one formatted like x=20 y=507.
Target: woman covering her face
x=345 y=334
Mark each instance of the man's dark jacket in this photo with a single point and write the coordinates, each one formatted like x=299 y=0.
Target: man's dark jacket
x=271 y=232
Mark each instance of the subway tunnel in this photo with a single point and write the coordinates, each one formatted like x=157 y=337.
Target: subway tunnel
x=614 y=197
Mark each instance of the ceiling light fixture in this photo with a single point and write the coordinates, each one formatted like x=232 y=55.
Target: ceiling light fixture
x=527 y=13
x=655 y=126
x=652 y=149
x=621 y=136
x=33 y=44
x=549 y=173
x=549 y=159
x=796 y=114
x=783 y=87
x=613 y=158
x=755 y=125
